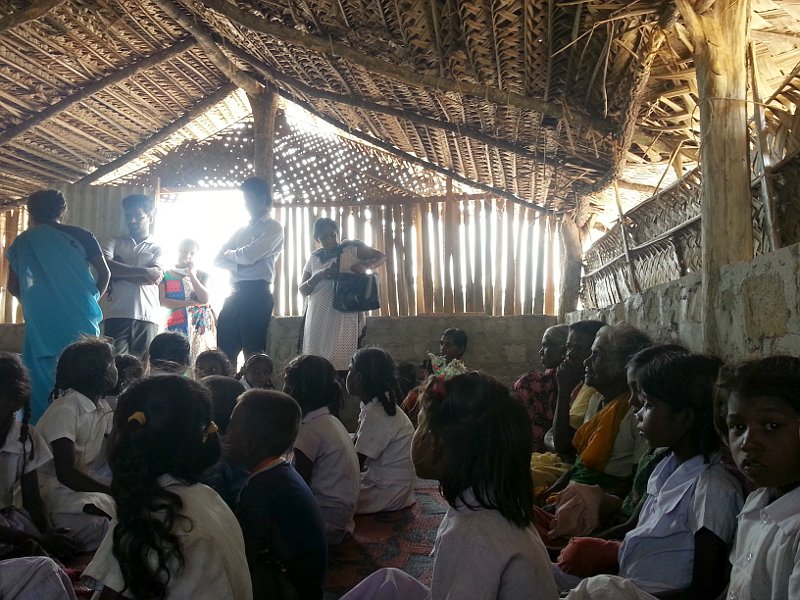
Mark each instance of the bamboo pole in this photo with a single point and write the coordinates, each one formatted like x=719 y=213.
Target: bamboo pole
x=408 y=265
x=469 y=255
x=449 y=267
x=550 y=285
x=436 y=259
x=390 y=262
x=477 y=258
x=400 y=254
x=378 y=243
x=719 y=37
x=458 y=280
x=422 y=305
x=530 y=273
x=427 y=256
x=511 y=267
x=497 y=295
x=488 y=217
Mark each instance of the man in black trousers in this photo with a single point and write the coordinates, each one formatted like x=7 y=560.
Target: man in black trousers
x=250 y=256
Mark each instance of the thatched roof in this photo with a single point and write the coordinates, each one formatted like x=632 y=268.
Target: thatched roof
x=541 y=100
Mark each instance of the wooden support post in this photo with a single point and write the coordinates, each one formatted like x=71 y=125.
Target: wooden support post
x=571 y=259
x=719 y=36
x=264 y=106
x=538 y=290
x=550 y=282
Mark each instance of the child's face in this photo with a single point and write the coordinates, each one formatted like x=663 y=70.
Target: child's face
x=764 y=441
x=353 y=381
x=208 y=365
x=236 y=446
x=660 y=424
x=259 y=373
x=633 y=384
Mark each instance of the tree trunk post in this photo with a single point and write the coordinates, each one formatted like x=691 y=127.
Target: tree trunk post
x=264 y=106
x=572 y=262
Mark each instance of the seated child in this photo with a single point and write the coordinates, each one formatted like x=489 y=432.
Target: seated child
x=225 y=477
x=759 y=404
x=284 y=536
x=476 y=441
x=34 y=578
x=129 y=369
x=324 y=454
x=212 y=362
x=22 y=452
x=688 y=519
x=383 y=437
x=452 y=346
x=173 y=537
x=257 y=373
x=169 y=353
x=75 y=426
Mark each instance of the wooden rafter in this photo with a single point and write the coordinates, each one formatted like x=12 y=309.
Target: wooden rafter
x=95 y=87
x=330 y=47
x=30 y=13
x=197 y=110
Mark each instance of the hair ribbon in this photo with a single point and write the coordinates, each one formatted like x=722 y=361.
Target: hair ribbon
x=139 y=417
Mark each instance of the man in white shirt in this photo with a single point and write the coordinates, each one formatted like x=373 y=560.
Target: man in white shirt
x=250 y=256
x=131 y=313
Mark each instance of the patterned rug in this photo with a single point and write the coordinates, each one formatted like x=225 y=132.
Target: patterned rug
x=402 y=539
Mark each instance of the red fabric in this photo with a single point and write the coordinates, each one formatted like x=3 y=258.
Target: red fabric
x=538 y=392
x=587 y=556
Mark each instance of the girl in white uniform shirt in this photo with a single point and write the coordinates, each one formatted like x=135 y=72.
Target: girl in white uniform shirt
x=476 y=440
x=173 y=538
x=688 y=520
x=759 y=402
x=383 y=437
x=324 y=455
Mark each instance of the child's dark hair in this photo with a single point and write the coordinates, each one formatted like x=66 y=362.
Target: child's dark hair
x=220 y=357
x=772 y=377
x=83 y=366
x=129 y=369
x=311 y=380
x=275 y=420
x=376 y=368
x=46 y=205
x=224 y=392
x=162 y=425
x=170 y=351
x=686 y=381
x=253 y=359
x=146 y=203
x=15 y=386
x=486 y=439
x=646 y=355
x=458 y=337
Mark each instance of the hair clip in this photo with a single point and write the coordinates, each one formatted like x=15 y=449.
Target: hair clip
x=139 y=417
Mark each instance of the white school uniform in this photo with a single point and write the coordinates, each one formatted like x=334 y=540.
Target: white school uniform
x=34 y=578
x=766 y=557
x=658 y=554
x=335 y=475
x=211 y=540
x=480 y=555
x=387 y=483
x=15 y=460
x=75 y=417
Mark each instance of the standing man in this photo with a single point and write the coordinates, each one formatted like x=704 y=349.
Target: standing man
x=131 y=314
x=250 y=257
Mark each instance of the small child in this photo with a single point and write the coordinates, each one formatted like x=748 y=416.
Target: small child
x=284 y=535
x=759 y=407
x=257 y=372
x=173 y=537
x=212 y=362
x=475 y=439
x=688 y=519
x=383 y=437
x=224 y=477
x=75 y=426
x=22 y=452
x=169 y=353
x=324 y=455
x=129 y=369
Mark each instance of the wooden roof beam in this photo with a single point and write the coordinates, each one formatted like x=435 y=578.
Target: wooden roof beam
x=30 y=13
x=197 y=110
x=330 y=48
x=94 y=88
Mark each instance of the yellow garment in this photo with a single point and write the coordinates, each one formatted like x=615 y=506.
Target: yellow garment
x=579 y=406
x=594 y=440
x=546 y=468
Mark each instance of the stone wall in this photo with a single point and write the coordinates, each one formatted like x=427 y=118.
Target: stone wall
x=758 y=307
x=503 y=346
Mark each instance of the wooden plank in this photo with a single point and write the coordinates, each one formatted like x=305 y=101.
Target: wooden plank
x=541 y=249
x=469 y=257
x=488 y=217
x=391 y=287
x=408 y=263
x=550 y=286
x=279 y=285
x=477 y=258
x=419 y=215
x=428 y=263
x=378 y=244
x=400 y=253
x=458 y=279
x=449 y=301
x=530 y=264
x=12 y=230
x=497 y=292
x=511 y=268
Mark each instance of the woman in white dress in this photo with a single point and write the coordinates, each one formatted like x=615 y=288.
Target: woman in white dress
x=328 y=332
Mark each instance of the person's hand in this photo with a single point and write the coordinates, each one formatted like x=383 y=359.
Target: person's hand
x=358 y=267
x=58 y=543
x=569 y=374
x=189 y=266
x=154 y=275
x=328 y=273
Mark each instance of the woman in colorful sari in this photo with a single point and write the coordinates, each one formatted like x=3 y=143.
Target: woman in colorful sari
x=50 y=276
x=183 y=290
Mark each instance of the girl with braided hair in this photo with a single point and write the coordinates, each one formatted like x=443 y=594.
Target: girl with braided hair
x=22 y=452
x=172 y=537
x=383 y=437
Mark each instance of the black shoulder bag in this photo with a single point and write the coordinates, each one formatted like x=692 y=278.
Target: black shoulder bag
x=355 y=292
